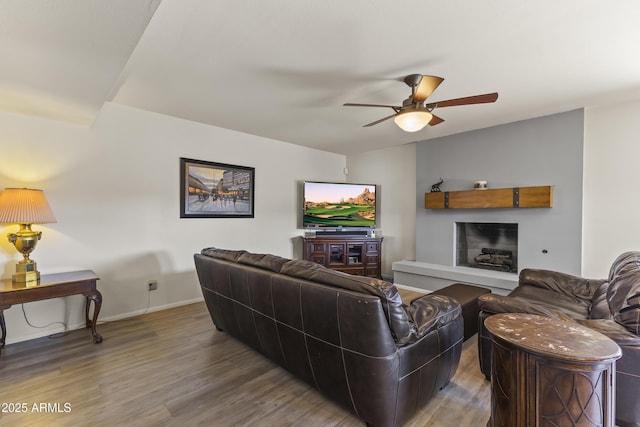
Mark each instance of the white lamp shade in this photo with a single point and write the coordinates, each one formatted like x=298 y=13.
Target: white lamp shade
x=413 y=120
x=24 y=206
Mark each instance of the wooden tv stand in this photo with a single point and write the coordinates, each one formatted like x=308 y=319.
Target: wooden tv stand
x=358 y=255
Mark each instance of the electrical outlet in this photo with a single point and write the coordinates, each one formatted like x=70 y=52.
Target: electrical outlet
x=153 y=285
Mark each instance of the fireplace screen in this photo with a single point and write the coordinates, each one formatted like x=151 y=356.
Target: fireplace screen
x=492 y=246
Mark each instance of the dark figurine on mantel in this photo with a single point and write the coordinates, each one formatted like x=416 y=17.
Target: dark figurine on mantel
x=435 y=188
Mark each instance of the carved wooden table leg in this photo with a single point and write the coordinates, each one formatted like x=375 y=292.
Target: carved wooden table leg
x=96 y=297
x=3 y=326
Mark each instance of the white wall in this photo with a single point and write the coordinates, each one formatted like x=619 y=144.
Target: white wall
x=393 y=170
x=114 y=189
x=611 y=202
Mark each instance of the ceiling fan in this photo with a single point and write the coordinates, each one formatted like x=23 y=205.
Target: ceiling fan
x=414 y=114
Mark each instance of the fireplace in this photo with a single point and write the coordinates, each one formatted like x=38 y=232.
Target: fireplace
x=492 y=246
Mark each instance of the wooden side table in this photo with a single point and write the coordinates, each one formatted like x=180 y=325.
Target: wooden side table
x=53 y=286
x=547 y=372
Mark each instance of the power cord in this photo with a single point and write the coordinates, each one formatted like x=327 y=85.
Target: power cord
x=148 y=304
x=56 y=335
x=65 y=331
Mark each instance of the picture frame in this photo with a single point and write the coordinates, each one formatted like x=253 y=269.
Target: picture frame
x=216 y=190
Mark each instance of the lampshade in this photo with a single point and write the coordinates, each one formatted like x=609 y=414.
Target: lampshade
x=413 y=120
x=24 y=206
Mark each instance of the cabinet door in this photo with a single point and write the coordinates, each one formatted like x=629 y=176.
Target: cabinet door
x=372 y=246
x=371 y=260
x=315 y=252
x=337 y=254
x=372 y=272
x=355 y=254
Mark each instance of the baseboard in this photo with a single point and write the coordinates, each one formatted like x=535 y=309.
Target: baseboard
x=148 y=310
x=42 y=333
x=82 y=325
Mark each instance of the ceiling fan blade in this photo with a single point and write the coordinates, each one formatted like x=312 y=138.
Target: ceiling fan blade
x=350 y=104
x=478 y=99
x=435 y=120
x=426 y=87
x=378 y=121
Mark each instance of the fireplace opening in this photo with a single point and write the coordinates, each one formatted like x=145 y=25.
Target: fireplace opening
x=492 y=246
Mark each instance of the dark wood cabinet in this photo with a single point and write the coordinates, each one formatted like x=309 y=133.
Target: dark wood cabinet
x=548 y=372
x=356 y=255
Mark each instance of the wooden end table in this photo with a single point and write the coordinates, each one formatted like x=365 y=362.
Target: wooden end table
x=53 y=286
x=548 y=372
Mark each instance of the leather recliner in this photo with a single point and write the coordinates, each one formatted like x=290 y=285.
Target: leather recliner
x=610 y=306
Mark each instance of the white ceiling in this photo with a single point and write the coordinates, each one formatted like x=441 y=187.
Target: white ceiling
x=282 y=69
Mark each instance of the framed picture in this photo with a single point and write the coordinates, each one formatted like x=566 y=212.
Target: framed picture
x=215 y=190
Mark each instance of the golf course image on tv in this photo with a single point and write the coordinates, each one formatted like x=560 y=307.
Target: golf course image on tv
x=328 y=204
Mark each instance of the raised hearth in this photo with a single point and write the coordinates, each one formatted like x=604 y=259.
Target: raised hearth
x=431 y=277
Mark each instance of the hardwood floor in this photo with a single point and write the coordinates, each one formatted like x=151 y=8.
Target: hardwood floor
x=173 y=368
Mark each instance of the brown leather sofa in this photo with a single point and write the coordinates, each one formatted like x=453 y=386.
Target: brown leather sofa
x=610 y=306
x=349 y=337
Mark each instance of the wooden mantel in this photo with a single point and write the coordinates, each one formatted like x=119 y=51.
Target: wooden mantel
x=516 y=197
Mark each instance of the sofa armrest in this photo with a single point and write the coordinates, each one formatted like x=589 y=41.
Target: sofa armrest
x=494 y=304
x=560 y=282
x=433 y=311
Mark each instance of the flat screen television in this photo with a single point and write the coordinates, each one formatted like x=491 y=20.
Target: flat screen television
x=339 y=205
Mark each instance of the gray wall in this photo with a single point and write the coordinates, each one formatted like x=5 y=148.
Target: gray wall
x=542 y=151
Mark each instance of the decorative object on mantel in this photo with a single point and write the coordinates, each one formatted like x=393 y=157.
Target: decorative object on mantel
x=480 y=185
x=25 y=206
x=516 y=197
x=435 y=188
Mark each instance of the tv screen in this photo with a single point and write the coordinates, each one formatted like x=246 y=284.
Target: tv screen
x=333 y=204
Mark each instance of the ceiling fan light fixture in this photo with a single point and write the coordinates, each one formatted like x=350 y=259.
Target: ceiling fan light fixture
x=413 y=120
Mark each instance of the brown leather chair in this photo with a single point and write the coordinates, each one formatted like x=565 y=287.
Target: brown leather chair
x=610 y=306
x=349 y=337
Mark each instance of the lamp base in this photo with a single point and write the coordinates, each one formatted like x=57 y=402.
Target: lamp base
x=26 y=273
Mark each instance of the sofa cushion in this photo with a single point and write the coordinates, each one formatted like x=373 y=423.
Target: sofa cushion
x=560 y=283
x=227 y=254
x=402 y=329
x=573 y=307
x=494 y=303
x=265 y=261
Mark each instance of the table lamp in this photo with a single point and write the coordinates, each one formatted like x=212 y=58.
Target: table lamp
x=25 y=206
